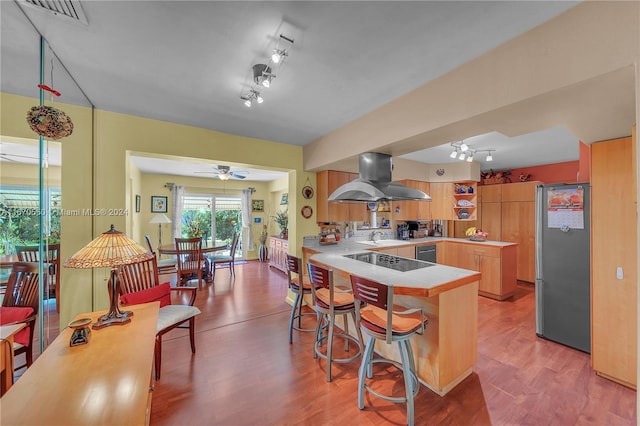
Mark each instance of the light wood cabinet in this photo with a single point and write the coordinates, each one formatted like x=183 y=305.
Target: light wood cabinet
x=518 y=224
x=496 y=263
x=613 y=245
x=491 y=219
x=278 y=256
x=327 y=182
x=413 y=210
x=442 y=201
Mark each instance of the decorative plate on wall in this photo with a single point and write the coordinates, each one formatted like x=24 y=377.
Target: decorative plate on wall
x=307 y=192
x=306 y=212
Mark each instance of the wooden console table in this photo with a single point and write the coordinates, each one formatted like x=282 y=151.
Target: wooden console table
x=105 y=382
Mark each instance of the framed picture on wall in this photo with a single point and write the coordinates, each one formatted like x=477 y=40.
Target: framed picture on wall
x=158 y=204
x=137 y=204
x=285 y=199
x=257 y=220
x=257 y=205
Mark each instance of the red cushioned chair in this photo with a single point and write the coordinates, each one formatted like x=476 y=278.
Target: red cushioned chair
x=20 y=304
x=139 y=283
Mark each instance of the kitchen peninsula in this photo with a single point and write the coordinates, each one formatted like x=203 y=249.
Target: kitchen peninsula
x=447 y=351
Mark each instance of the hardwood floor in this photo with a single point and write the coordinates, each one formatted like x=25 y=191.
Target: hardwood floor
x=245 y=372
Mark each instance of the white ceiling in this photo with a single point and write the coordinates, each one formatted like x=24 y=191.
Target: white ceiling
x=189 y=62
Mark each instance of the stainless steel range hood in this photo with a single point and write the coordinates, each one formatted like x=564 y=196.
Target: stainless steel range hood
x=374 y=183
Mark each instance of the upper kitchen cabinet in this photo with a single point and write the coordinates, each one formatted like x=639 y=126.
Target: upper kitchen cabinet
x=328 y=181
x=442 y=201
x=413 y=210
x=491 y=210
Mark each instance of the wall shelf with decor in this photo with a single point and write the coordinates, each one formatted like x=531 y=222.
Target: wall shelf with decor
x=465 y=197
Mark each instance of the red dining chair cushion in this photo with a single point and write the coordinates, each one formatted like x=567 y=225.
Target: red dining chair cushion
x=160 y=293
x=10 y=314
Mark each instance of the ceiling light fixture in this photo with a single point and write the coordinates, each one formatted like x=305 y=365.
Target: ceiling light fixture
x=469 y=157
x=454 y=153
x=465 y=152
x=489 y=156
x=462 y=155
x=463 y=146
x=264 y=73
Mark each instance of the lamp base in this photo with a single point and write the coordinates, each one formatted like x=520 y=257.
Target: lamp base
x=112 y=318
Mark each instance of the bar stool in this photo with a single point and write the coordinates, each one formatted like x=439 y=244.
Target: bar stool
x=383 y=320
x=294 y=267
x=329 y=301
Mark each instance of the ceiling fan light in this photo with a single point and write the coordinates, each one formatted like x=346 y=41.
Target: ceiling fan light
x=224 y=176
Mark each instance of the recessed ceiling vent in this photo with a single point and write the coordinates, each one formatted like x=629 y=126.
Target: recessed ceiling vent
x=68 y=8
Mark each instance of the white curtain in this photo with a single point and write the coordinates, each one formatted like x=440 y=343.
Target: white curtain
x=246 y=219
x=176 y=212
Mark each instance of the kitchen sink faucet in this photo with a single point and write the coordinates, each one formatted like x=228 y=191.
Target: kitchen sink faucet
x=372 y=237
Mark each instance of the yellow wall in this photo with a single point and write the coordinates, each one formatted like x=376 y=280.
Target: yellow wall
x=15 y=174
x=97 y=175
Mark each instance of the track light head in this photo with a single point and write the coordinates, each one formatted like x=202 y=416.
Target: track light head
x=469 y=157
x=462 y=155
x=464 y=147
x=454 y=153
x=247 y=102
x=489 y=156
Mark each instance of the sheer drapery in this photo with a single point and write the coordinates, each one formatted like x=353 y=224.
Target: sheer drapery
x=246 y=219
x=176 y=212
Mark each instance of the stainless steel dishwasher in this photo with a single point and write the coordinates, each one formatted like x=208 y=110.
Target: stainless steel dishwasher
x=426 y=252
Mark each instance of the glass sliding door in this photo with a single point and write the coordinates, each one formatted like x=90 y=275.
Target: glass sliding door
x=214 y=217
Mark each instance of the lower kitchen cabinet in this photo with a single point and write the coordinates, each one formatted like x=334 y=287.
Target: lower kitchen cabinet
x=278 y=257
x=496 y=263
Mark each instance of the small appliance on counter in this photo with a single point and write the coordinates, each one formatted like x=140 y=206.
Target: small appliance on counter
x=419 y=229
x=403 y=231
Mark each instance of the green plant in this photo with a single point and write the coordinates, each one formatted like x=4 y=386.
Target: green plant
x=282 y=219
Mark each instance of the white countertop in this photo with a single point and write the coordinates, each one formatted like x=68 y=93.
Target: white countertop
x=425 y=281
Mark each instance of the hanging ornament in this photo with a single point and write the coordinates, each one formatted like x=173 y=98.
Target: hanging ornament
x=49 y=122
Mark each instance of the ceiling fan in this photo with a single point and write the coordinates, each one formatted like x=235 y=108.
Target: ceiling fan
x=16 y=158
x=225 y=173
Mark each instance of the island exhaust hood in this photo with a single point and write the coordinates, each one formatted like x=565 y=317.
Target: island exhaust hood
x=374 y=183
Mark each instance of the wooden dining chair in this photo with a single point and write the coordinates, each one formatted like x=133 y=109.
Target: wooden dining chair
x=139 y=283
x=165 y=266
x=221 y=259
x=31 y=254
x=20 y=305
x=189 y=260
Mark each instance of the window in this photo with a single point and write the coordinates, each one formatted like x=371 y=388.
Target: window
x=215 y=218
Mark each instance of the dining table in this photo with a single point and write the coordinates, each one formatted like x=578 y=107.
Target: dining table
x=170 y=249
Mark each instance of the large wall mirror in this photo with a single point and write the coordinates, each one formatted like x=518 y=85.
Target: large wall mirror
x=32 y=198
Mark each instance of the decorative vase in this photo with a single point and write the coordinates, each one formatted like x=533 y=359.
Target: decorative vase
x=284 y=234
x=263 y=252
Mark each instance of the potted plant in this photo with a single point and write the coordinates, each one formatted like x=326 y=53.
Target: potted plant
x=282 y=219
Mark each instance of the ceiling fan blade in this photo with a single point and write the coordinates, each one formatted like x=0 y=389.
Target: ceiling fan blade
x=237 y=176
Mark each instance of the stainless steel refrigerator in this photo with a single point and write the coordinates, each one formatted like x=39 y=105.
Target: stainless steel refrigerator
x=563 y=294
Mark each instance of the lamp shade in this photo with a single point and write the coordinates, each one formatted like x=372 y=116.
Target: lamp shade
x=160 y=218
x=111 y=248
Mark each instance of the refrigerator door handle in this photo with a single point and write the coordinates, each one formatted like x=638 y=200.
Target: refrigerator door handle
x=539 y=307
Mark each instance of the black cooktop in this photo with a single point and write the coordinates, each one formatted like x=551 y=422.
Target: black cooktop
x=396 y=263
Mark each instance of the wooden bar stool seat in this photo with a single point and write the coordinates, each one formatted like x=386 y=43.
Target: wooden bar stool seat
x=389 y=323
x=330 y=301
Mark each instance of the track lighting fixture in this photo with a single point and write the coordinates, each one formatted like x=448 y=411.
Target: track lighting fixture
x=264 y=73
x=253 y=95
x=465 y=152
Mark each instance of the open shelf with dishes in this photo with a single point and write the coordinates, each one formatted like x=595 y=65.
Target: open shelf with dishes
x=465 y=197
